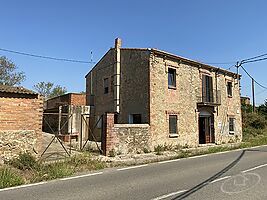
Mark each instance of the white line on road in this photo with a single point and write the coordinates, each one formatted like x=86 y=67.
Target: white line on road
x=219 y=179
x=22 y=186
x=81 y=176
x=257 y=167
x=168 y=161
x=169 y=195
x=132 y=167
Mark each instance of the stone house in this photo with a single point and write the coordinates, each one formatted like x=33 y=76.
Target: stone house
x=183 y=101
x=20 y=121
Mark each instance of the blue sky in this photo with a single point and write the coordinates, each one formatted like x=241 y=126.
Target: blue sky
x=207 y=30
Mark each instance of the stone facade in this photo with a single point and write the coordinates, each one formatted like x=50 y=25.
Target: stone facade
x=144 y=90
x=125 y=138
x=20 y=123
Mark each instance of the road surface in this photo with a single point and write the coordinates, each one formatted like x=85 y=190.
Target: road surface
x=238 y=174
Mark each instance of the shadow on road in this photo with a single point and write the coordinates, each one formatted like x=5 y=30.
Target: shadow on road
x=206 y=182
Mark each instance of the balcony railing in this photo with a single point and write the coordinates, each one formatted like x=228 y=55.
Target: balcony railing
x=212 y=97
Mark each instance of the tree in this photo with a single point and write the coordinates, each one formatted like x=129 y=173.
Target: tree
x=8 y=74
x=263 y=108
x=48 y=90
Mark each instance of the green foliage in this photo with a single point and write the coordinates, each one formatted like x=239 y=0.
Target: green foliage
x=112 y=153
x=8 y=74
x=146 y=150
x=263 y=109
x=48 y=90
x=159 y=149
x=25 y=161
x=55 y=170
x=9 y=178
x=254 y=120
x=84 y=161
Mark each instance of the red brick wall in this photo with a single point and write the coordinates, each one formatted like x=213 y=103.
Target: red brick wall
x=109 y=140
x=78 y=99
x=21 y=113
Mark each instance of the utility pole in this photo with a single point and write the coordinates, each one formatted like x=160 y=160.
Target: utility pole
x=253 y=95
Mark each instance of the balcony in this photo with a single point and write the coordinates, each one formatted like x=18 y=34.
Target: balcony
x=210 y=98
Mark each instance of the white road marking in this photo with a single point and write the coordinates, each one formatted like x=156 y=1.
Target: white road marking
x=219 y=179
x=168 y=161
x=257 y=167
x=81 y=176
x=132 y=167
x=22 y=186
x=169 y=195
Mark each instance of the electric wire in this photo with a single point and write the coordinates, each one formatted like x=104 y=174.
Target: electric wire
x=253 y=78
x=46 y=57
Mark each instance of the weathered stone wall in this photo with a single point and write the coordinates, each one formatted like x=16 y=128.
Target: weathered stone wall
x=183 y=100
x=134 y=89
x=95 y=91
x=125 y=138
x=14 y=142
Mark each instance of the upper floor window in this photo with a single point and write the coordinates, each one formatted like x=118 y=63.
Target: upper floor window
x=229 y=89
x=231 y=125
x=173 y=125
x=207 y=89
x=106 y=85
x=171 y=78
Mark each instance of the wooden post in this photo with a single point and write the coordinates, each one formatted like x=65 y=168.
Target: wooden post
x=253 y=96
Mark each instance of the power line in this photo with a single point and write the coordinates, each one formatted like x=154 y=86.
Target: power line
x=46 y=57
x=254 y=57
x=220 y=63
x=253 y=78
x=250 y=61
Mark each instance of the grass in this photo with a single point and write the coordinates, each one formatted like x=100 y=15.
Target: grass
x=9 y=178
x=26 y=169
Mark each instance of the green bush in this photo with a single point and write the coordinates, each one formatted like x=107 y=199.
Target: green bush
x=159 y=149
x=8 y=178
x=25 y=161
x=254 y=120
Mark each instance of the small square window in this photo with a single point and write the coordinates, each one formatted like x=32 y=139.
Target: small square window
x=173 y=125
x=171 y=78
x=231 y=125
x=135 y=119
x=106 y=85
x=229 y=89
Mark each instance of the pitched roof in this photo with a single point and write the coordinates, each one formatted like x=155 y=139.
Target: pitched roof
x=16 y=89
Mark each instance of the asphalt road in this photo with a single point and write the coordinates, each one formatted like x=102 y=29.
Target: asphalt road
x=238 y=174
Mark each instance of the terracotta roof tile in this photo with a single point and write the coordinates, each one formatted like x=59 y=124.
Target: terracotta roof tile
x=15 y=89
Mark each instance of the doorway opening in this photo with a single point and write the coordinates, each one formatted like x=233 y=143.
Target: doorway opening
x=206 y=128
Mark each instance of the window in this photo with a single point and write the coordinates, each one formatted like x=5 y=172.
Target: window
x=135 y=119
x=207 y=89
x=106 y=85
x=171 y=78
x=231 y=125
x=173 y=125
x=229 y=89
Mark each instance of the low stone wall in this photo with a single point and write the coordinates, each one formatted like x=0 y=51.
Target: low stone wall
x=132 y=138
x=14 y=142
x=124 y=138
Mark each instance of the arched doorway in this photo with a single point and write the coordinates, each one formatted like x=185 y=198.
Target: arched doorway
x=206 y=126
